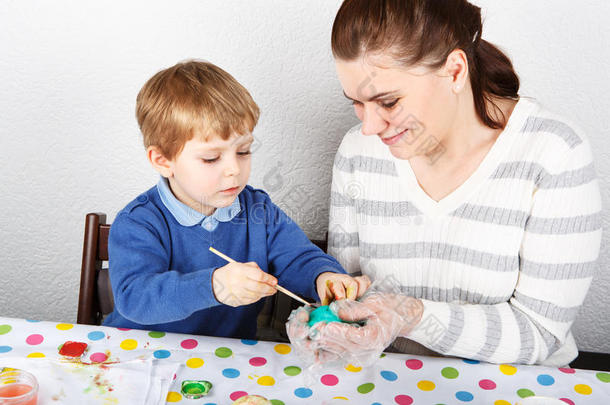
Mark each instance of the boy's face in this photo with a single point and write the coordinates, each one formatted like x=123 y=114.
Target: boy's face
x=210 y=175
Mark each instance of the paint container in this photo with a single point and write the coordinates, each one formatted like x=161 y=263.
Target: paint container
x=195 y=389
x=73 y=350
x=17 y=387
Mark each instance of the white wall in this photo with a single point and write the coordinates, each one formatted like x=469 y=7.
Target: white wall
x=70 y=71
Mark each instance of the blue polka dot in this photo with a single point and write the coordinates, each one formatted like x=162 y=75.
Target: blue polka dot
x=97 y=335
x=545 y=379
x=161 y=354
x=303 y=392
x=249 y=342
x=375 y=403
x=32 y=320
x=471 y=361
x=5 y=349
x=389 y=375
x=464 y=396
x=230 y=373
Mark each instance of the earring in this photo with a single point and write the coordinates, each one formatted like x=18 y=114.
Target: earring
x=457 y=88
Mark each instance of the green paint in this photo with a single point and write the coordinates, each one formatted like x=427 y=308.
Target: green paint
x=156 y=335
x=276 y=402
x=366 y=388
x=322 y=314
x=223 y=352
x=603 y=377
x=4 y=329
x=194 y=389
x=292 y=370
x=382 y=355
x=450 y=372
x=524 y=393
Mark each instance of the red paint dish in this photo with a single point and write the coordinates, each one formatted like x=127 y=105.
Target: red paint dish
x=73 y=349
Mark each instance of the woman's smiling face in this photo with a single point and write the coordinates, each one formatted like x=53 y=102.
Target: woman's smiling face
x=409 y=109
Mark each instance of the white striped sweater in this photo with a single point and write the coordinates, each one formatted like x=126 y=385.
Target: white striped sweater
x=503 y=263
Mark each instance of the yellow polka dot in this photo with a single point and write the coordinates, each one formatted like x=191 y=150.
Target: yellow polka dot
x=129 y=344
x=583 y=389
x=352 y=368
x=173 y=397
x=64 y=326
x=195 y=362
x=502 y=402
x=266 y=380
x=282 y=348
x=426 y=385
x=343 y=398
x=35 y=355
x=507 y=370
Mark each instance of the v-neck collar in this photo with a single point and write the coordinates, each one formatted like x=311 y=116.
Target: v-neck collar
x=428 y=206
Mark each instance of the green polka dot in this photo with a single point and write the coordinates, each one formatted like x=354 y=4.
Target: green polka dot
x=603 y=377
x=449 y=372
x=276 y=402
x=4 y=329
x=156 y=335
x=524 y=393
x=223 y=352
x=366 y=388
x=292 y=370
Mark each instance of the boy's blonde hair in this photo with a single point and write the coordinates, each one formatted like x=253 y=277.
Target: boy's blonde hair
x=193 y=96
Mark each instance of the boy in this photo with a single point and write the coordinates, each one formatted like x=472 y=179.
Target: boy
x=196 y=121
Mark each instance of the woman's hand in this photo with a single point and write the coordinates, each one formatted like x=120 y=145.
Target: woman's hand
x=337 y=286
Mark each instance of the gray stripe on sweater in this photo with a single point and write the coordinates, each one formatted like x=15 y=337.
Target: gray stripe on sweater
x=492 y=215
x=454 y=330
x=558 y=271
x=547 y=309
x=443 y=251
x=561 y=129
x=365 y=164
x=565 y=225
x=526 y=333
x=532 y=171
x=375 y=207
x=454 y=294
x=342 y=239
x=493 y=332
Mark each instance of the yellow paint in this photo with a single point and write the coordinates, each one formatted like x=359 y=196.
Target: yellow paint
x=583 y=389
x=9 y=381
x=266 y=381
x=173 y=396
x=195 y=362
x=507 y=370
x=35 y=355
x=352 y=368
x=129 y=344
x=426 y=385
x=282 y=348
x=64 y=326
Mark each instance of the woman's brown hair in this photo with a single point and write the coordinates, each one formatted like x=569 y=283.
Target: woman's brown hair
x=425 y=32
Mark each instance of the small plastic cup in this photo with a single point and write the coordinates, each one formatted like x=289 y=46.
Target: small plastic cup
x=17 y=387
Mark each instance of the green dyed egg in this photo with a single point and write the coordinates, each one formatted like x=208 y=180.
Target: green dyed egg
x=322 y=314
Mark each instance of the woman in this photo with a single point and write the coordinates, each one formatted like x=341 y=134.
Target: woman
x=482 y=206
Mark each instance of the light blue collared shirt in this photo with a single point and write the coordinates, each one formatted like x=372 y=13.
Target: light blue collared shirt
x=186 y=216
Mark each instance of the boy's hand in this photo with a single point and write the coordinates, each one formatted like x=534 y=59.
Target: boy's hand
x=239 y=284
x=335 y=286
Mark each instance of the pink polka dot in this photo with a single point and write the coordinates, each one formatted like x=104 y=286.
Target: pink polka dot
x=487 y=384
x=34 y=339
x=258 y=361
x=98 y=357
x=567 y=401
x=174 y=376
x=567 y=370
x=124 y=329
x=403 y=400
x=329 y=379
x=237 y=394
x=414 y=364
x=189 y=344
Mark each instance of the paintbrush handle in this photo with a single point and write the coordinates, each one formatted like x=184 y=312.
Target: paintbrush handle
x=278 y=287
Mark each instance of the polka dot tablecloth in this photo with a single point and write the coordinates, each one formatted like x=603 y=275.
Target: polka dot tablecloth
x=240 y=367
